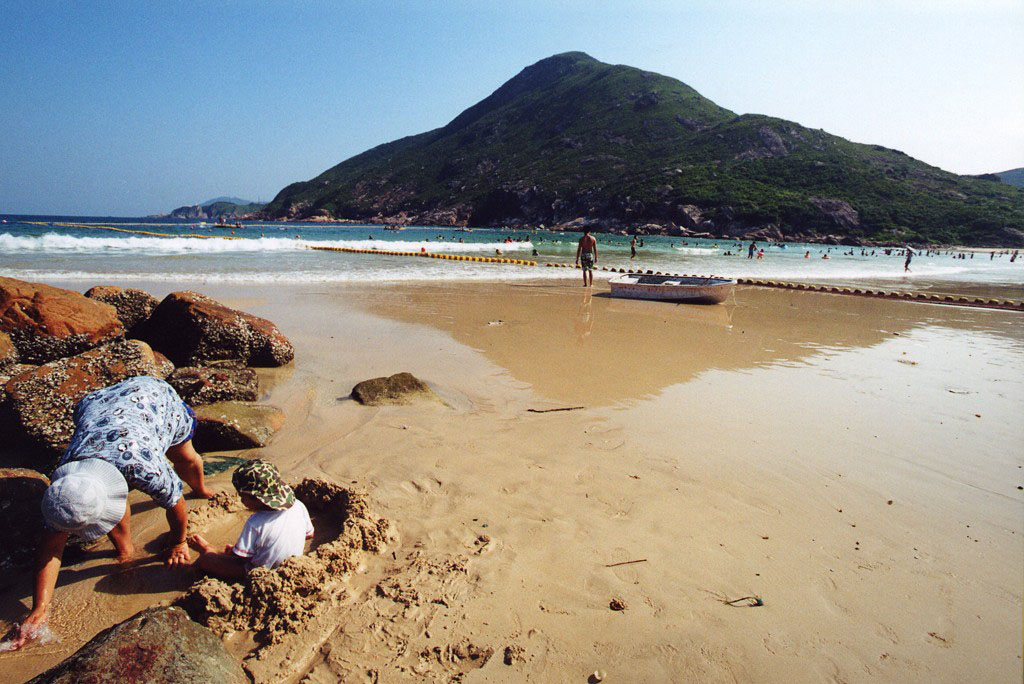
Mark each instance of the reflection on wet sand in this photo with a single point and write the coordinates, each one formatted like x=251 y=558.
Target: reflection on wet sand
x=574 y=345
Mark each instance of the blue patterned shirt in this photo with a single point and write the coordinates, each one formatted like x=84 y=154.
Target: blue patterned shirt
x=131 y=425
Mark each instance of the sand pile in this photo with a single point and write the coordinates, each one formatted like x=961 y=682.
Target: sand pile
x=274 y=603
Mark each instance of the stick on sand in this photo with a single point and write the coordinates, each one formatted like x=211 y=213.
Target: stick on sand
x=566 y=408
x=638 y=560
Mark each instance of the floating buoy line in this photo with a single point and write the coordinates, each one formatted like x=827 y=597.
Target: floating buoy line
x=920 y=297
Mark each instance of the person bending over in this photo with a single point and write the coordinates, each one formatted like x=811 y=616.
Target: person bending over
x=122 y=434
x=278 y=528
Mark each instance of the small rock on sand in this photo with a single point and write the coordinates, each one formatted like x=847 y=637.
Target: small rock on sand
x=617 y=604
x=400 y=388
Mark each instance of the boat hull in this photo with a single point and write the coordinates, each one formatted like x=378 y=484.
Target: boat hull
x=672 y=289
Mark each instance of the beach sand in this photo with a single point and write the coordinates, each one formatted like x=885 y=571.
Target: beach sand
x=854 y=463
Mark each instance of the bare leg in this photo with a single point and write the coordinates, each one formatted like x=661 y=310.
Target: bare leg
x=189 y=466
x=121 y=537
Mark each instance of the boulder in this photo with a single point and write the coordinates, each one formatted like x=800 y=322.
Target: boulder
x=43 y=399
x=8 y=353
x=400 y=388
x=132 y=306
x=47 y=323
x=191 y=329
x=229 y=425
x=212 y=384
x=157 y=646
x=21 y=491
x=838 y=211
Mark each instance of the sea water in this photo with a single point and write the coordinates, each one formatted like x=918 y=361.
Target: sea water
x=81 y=249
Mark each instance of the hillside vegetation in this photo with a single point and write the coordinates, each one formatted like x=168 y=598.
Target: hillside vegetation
x=573 y=141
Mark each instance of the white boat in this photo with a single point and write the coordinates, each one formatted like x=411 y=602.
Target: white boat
x=672 y=288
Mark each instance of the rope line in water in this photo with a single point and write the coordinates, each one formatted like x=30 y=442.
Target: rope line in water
x=135 y=232
x=429 y=255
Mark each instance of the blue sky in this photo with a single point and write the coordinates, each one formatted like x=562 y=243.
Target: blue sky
x=134 y=108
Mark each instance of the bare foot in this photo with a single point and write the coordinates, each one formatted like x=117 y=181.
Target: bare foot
x=199 y=544
x=204 y=493
x=125 y=555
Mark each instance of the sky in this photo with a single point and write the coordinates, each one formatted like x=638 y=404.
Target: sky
x=133 y=108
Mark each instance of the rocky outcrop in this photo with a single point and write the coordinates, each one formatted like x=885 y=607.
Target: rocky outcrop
x=8 y=353
x=132 y=306
x=838 y=211
x=229 y=425
x=157 y=646
x=401 y=388
x=43 y=399
x=21 y=491
x=164 y=366
x=206 y=385
x=191 y=329
x=47 y=323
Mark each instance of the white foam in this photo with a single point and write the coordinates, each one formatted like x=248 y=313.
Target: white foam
x=56 y=243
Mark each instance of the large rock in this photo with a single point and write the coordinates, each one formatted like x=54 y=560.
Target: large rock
x=191 y=329
x=21 y=491
x=47 y=323
x=229 y=425
x=157 y=646
x=43 y=399
x=207 y=385
x=400 y=388
x=132 y=306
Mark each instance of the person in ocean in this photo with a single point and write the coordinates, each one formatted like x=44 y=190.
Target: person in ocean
x=277 y=529
x=586 y=256
x=750 y=250
x=136 y=434
x=906 y=264
x=632 y=248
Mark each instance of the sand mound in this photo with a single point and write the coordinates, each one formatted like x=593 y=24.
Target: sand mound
x=274 y=603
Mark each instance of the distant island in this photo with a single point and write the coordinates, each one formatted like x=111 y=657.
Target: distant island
x=572 y=142
x=228 y=207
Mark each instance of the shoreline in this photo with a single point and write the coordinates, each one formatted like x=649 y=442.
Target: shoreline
x=744 y=449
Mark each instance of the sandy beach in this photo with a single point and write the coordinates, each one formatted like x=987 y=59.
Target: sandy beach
x=854 y=463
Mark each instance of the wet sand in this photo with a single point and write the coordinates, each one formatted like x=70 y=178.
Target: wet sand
x=854 y=463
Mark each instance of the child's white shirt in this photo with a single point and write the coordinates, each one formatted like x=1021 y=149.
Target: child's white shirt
x=269 y=537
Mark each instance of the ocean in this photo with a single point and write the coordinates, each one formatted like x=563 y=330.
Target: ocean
x=48 y=248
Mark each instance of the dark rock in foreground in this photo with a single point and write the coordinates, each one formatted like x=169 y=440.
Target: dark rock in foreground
x=192 y=329
x=400 y=388
x=156 y=646
x=198 y=386
x=133 y=306
x=229 y=425
x=21 y=491
x=43 y=399
x=47 y=323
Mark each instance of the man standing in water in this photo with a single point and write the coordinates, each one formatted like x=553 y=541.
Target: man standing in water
x=587 y=253
x=632 y=248
x=906 y=264
x=750 y=250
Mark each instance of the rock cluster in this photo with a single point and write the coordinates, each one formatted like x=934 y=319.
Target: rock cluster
x=70 y=344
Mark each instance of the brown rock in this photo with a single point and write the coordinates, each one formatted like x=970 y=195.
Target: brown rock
x=229 y=425
x=191 y=329
x=21 y=491
x=163 y=365
x=43 y=399
x=8 y=353
x=157 y=646
x=400 y=388
x=133 y=306
x=211 y=384
x=617 y=604
x=47 y=323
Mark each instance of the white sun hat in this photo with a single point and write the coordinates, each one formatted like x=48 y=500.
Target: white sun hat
x=86 y=498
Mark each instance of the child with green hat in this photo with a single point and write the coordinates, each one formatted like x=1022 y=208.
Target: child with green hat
x=278 y=528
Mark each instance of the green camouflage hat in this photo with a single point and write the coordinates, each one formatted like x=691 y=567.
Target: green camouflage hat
x=260 y=479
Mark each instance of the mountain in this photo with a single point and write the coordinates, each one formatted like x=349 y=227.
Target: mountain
x=572 y=141
x=215 y=209
x=1013 y=177
x=229 y=200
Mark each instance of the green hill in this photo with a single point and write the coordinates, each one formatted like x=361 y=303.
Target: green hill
x=571 y=139
x=1013 y=177
x=215 y=209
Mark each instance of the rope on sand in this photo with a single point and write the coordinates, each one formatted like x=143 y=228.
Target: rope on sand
x=429 y=255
